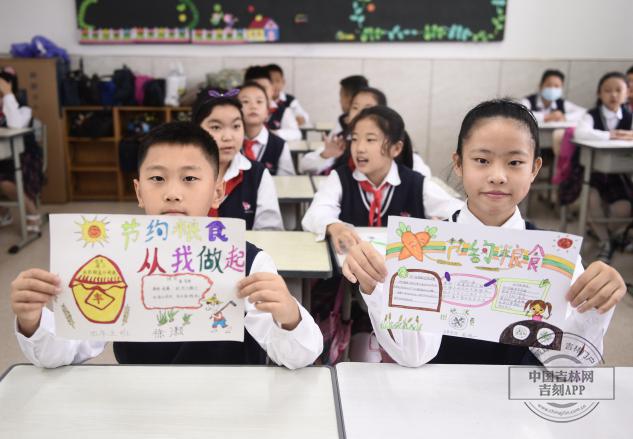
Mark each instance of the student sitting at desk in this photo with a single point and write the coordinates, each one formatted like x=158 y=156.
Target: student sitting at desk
x=609 y=120
x=497 y=159
x=280 y=121
x=375 y=188
x=548 y=105
x=335 y=151
x=13 y=114
x=260 y=144
x=249 y=191
x=284 y=99
x=178 y=175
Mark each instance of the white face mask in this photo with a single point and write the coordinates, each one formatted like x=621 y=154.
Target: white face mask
x=552 y=93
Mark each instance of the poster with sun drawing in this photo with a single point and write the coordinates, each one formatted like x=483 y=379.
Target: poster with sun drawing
x=479 y=282
x=148 y=278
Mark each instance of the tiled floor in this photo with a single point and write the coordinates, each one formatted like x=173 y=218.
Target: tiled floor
x=618 y=342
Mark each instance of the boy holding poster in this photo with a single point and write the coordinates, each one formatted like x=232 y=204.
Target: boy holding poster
x=178 y=169
x=497 y=158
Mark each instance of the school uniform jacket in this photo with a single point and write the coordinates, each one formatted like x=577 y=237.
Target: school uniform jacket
x=429 y=199
x=412 y=349
x=284 y=124
x=293 y=104
x=255 y=199
x=293 y=349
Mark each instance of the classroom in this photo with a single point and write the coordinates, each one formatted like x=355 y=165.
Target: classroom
x=395 y=210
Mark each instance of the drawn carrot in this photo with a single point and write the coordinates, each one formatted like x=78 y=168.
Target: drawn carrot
x=411 y=243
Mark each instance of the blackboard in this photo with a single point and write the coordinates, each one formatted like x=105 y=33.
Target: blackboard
x=289 y=21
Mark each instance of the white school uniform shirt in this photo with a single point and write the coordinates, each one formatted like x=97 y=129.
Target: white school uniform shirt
x=412 y=349
x=326 y=205
x=293 y=349
x=586 y=131
x=17 y=117
x=313 y=163
x=296 y=108
x=285 y=165
x=289 y=128
x=419 y=165
x=573 y=112
x=267 y=214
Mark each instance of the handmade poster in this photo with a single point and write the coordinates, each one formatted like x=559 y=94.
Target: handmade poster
x=479 y=282
x=148 y=278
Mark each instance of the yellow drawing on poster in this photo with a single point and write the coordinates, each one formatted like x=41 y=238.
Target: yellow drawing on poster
x=99 y=290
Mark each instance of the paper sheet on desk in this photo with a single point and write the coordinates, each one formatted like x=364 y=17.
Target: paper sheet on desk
x=148 y=278
x=487 y=283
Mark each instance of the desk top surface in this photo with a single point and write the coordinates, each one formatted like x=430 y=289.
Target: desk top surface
x=387 y=400
x=7 y=133
x=294 y=187
x=605 y=144
x=296 y=254
x=556 y=125
x=168 y=402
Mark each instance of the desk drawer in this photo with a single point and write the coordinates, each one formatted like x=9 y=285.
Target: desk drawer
x=614 y=162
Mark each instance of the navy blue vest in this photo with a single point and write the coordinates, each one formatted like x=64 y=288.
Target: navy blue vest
x=624 y=124
x=269 y=156
x=195 y=352
x=460 y=350
x=402 y=200
x=341 y=121
x=242 y=202
x=560 y=104
x=274 y=120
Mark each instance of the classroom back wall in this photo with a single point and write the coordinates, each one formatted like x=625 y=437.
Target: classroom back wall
x=431 y=84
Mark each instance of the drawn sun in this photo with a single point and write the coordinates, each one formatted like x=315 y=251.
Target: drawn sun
x=93 y=232
x=564 y=243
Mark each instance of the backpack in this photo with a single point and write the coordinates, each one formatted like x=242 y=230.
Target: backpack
x=336 y=332
x=92 y=124
x=154 y=93
x=123 y=80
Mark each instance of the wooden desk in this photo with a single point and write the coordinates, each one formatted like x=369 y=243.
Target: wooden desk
x=462 y=401
x=293 y=188
x=169 y=402
x=547 y=128
x=12 y=143
x=296 y=255
x=609 y=157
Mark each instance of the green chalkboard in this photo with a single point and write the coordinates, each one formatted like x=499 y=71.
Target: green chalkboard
x=289 y=21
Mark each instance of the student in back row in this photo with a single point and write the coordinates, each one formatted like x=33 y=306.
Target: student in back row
x=281 y=122
x=178 y=174
x=283 y=99
x=249 y=190
x=335 y=151
x=497 y=159
x=260 y=144
x=609 y=119
x=549 y=105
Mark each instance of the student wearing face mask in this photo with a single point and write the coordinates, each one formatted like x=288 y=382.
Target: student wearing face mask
x=549 y=105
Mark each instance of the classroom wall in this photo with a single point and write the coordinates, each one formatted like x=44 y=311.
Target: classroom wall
x=432 y=85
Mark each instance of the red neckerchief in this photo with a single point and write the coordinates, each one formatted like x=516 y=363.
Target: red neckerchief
x=248 y=149
x=229 y=186
x=376 y=202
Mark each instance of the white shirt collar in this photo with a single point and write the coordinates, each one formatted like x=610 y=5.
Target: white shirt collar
x=239 y=163
x=262 y=137
x=393 y=177
x=608 y=114
x=282 y=96
x=516 y=221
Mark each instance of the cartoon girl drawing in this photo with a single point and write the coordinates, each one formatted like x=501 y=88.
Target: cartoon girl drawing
x=537 y=308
